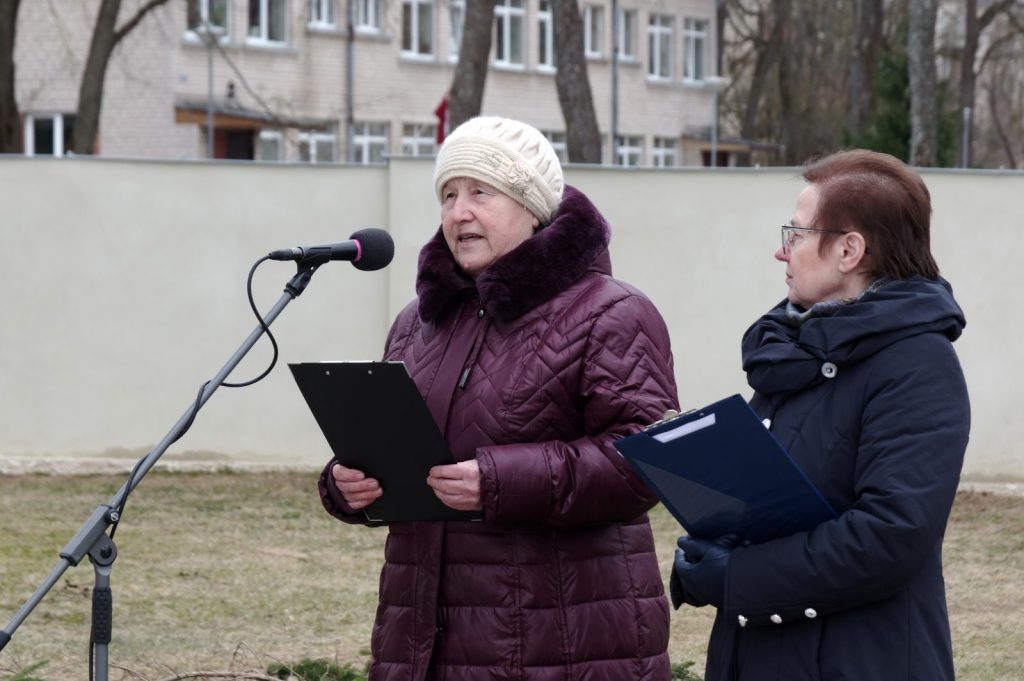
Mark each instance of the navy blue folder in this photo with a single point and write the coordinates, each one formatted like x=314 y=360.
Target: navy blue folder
x=375 y=420
x=719 y=471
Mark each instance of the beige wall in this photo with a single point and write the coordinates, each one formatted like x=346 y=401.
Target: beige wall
x=125 y=288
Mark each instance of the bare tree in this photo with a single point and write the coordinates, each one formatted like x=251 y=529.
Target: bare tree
x=467 y=90
x=867 y=38
x=105 y=37
x=10 y=123
x=924 y=117
x=582 y=135
x=974 y=26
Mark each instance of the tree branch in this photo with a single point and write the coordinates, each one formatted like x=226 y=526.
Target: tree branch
x=139 y=16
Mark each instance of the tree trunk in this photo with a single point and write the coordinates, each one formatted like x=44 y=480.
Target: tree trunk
x=105 y=37
x=924 y=118
x=867 y=20
x=10 y=121
x=582 y=135
x=467 y=90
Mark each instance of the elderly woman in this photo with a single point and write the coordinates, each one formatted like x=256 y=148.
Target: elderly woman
x=857 y=376
x=533 y=360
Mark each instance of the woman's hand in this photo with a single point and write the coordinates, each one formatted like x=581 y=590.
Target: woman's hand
x=358 y=490
x=457 y=485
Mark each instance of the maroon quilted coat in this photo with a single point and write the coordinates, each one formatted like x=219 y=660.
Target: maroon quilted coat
x=534 y=369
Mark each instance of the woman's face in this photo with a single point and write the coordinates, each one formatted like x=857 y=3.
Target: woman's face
x=481 y=224
x=810 y=276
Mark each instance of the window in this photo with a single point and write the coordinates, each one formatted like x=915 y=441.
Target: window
x=419 y=139
x=321 y=14
x=316 y=147
x=663 y=154
x=267 y=20
x=557 y=140
x=418 y=27
x=369 y=16
x=48 y=134
x=207 y=12
x=508 y=32
x=456 y=18
x=545 y=36
x=659 y=47
x=593 y=30
x=627 y=34
x=629 y=150
x=369 y=142
x=695 y=33
x=268 y=145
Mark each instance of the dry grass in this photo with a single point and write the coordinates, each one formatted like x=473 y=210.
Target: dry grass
x=232 y=572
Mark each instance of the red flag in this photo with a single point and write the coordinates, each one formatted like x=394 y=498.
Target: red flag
x=442 y=120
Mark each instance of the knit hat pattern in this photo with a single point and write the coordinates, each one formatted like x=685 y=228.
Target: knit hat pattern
x=509 y=155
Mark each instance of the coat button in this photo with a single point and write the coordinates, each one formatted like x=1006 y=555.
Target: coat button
x=776 y=619
x=829 y=370
x=742 y=620
x=810 y=613
x=480 y=313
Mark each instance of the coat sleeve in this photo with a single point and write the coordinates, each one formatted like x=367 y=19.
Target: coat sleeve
x=627 y=382
x=915 y=419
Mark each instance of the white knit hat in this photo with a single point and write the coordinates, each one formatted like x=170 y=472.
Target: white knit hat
x=509 y=155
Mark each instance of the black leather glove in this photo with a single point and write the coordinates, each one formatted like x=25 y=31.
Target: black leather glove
x=698 y=573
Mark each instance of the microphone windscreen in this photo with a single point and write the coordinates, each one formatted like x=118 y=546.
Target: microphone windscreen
x=376 y=249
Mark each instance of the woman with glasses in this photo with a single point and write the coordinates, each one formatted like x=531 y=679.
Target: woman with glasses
x=856 y=376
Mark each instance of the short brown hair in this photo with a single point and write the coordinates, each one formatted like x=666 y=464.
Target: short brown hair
x=882 y=198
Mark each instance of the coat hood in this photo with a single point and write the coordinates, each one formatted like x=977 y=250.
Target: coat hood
x=534 y=272
x=781 y=354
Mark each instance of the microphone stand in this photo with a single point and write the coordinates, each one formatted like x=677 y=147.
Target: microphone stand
x=92 y=539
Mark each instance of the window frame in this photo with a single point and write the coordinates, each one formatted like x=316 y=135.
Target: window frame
x=695 y=49
x=593 y=31
x=264 y=23
x=629 y=148
x=411 y=11
x=59 y=122
x=545 y=36
x=369 y=16
x=627 y=34
x=317 y=10
x=312 y=139
x=419 y=139
x=192 y=34
x=662 y=34
x=368 y=136
x=664 y=149
x=456 y=24
x=507 y=19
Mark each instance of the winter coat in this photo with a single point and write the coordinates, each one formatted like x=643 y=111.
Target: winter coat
x=869 y=399
x=533 y=369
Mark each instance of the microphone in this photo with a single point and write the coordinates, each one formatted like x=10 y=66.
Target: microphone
x=368 y=249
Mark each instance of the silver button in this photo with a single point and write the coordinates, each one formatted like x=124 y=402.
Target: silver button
x=829 y=370
x=777 y=619
x=810 y=613
x=742 y=620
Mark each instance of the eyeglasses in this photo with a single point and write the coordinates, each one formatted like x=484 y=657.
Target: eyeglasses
x=790 y=233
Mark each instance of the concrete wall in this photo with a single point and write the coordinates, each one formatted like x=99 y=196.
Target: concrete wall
x=125 y=284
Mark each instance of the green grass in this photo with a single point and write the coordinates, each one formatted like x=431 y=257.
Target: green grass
x=233 y=572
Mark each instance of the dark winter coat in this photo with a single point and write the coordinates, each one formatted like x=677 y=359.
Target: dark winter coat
x=534 y=370
x=869 y=399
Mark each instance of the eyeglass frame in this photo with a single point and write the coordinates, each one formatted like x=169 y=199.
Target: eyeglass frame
x=787 y=242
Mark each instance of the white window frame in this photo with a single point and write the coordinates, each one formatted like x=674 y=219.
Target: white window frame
x=593 y=31
x=367 y=137
x=419 y=139
x=509 y=19
x=695 y=41
x=263 y=27
x=269 y=137
x=629 y=150
x=627 y=34
x=558 y=143
x=665 y=152
x=29 y=133
x=456 y=22
x=312 y=140
x=545 y=36
x=322 y=14
x=369 y=16
x=659 y=38
x=204 y=17
x=411 y=15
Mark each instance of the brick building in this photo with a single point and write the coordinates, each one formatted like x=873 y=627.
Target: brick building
x=279 y=80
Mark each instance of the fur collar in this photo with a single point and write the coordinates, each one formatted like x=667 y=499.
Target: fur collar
x=534 y=272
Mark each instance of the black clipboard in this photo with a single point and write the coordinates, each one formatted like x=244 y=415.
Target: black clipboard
x=719 y=471
x=375 y=419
